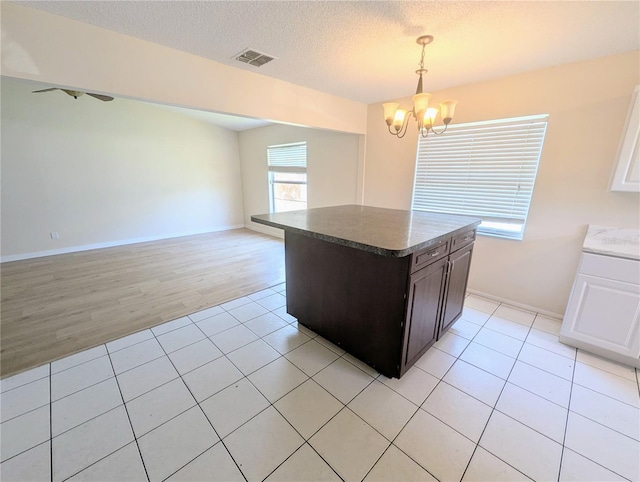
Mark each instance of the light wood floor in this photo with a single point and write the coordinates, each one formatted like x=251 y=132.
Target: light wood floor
x=59 y=305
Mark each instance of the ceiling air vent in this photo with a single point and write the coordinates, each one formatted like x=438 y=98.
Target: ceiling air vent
x=253 y=57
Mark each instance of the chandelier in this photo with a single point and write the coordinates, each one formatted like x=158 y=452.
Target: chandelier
x=398 y=119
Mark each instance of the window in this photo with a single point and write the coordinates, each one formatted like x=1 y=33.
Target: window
x=287 y=177
x=483 y=169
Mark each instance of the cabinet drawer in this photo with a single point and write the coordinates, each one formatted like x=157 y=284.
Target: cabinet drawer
x=429 y=255
x=462 y=239
x=620 y=269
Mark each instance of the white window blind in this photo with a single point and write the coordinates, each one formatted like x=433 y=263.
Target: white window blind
x=287 y=165
x=287 y=157
x=482 y=169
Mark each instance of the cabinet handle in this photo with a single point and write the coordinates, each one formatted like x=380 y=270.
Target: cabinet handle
x=435 y=254
x=467 y=238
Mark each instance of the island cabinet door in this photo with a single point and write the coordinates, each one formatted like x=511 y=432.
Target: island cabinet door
x=426 y=288
x=459 y=264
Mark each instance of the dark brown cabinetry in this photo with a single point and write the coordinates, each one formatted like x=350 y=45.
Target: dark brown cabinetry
x=426 y=288
x=386 y=311
x=459 y=264
x=436 y=298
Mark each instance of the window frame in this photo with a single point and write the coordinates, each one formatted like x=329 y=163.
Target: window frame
x=469 y=183
x=285 y=165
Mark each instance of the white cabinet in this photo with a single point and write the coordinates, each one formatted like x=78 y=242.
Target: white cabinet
x=603 y=314
x=626 y=176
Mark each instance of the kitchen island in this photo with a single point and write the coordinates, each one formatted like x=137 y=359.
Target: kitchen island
x=383 y=284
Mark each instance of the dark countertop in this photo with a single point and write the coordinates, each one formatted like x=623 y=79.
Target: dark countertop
x=388 y=232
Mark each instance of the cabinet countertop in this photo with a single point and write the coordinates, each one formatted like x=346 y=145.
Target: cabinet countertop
x=609 y=241
x=388 y=232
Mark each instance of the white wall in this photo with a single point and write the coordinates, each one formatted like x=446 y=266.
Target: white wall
x=49 y=48
x=332 y=167
x=587 y=103
x=105 y=173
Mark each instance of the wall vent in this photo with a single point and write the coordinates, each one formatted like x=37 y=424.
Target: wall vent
x=253 y=57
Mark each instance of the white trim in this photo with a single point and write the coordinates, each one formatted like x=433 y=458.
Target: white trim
x=550 y=314
x=110 y=244
x=261 y=228
x=499 y=121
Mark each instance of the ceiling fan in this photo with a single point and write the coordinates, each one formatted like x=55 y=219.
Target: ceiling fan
x=75 y=93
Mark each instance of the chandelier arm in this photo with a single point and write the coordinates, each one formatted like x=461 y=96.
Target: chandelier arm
x=405 y=124
x=400 y=133
x=441 y=132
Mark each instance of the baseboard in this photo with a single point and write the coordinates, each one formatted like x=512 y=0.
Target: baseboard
x=110 y=244
x=550 y=314
x=261 y=228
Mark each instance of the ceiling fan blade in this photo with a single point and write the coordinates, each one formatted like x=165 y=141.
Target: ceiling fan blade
x=45 y=90
x=105 y=98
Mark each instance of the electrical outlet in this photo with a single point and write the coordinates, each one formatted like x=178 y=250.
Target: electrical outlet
x=54 y=234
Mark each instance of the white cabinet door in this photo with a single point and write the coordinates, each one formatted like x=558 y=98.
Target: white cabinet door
x=626 y=176
x=604 y=313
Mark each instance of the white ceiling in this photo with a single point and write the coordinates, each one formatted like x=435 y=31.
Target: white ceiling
x=366 y=50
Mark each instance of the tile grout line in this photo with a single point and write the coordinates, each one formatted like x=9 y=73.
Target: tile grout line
x=32 y=410
x=126 y=410
x=514 y=338
x=88 y=386
x=604 y=426
x=341 y=356
x=608 y=373
x=550 y=373
x=345 y=406
x=110 y=453
x=493 y=409
x=197 y=405
x=306 y=442
x=272 y=404
x=441 y=380
x=50 y=427
x=109 y=352
x=637 y=407
x=566 y=422
x=29 y=382
x=386 y=450
x=214 y=394
x=569 y=411
x=541 y=369
x=311 y=378
x=398 y=448
x=139 y=331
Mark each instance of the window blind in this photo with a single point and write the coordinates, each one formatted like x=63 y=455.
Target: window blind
x=287 y=157
x=483 y=169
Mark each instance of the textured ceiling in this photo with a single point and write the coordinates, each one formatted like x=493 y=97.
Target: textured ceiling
x=366 y=51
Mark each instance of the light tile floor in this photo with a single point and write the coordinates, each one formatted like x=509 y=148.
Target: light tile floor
x=241 y=391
